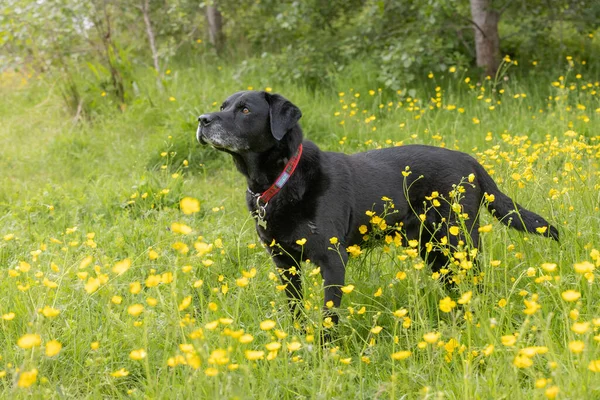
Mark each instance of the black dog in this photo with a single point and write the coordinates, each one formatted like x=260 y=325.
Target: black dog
x=297 y=191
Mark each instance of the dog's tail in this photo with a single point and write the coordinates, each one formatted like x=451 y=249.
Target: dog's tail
x=509 y=212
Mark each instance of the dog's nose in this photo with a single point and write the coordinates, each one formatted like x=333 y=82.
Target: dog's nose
x=205 y=119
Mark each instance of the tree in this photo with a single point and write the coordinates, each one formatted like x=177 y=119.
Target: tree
x=215 y=26
x=487 y=39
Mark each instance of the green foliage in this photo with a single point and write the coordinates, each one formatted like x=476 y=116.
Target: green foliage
x=105 y=177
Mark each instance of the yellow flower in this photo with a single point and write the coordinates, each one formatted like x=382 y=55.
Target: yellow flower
x=301 y=242
x=242 y=282
x=486 y=228
x=447 y=304
x=488 y=350
x=53 y=347
x=594 y=366
x=138 y=354
x=347 y=289
x=135 y=287
x=378 y=292
x=570 y=295
x=120 y=373
x=203 y=248
x=8 y=316
x=583 y=267
x=401 y=355
x=121 y=266
x=135 y=309
x=332 y=240
x=465 y=298
x=95 y=345
x=552 y=392
x=549 y=267
x=293 y=346
x=580 y=327
x=273 y=346
x=363 y=229
x=211 y=371
x=267 y=325
x=185 y=303
x=376 y=329
x=522 y=361
x=152 y=254
x=431 y=337
x=27 y=378
x=92 y=285
x=180 y=247
x=508 y=340
x=576 y=346
x=246 y=338
x=50 y=312
x=454 y=231
x=183 y=229
x=354 y=250
x=49 y=284
x=29 y=340
x=400 y=313
x=253 y=355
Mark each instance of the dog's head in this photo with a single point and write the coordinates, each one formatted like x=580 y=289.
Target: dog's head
x=248 y=122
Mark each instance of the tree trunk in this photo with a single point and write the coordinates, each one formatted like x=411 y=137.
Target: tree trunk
x=487 y=40
x=150 y=33
x=215 y=27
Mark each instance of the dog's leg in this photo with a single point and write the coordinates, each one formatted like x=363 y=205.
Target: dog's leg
x=289 y=273
x=333 y=271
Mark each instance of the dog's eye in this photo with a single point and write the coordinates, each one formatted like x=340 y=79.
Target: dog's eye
x=245 y=110
x=221 y=108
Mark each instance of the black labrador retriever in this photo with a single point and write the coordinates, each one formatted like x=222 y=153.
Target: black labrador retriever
x=296 y=191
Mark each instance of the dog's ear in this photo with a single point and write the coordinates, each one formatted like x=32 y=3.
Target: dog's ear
x=283 y=115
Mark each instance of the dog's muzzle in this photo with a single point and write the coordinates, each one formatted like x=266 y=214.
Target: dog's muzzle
x=203 y=121
x=199 y=135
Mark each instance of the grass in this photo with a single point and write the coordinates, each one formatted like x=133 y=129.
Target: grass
x=86 y=214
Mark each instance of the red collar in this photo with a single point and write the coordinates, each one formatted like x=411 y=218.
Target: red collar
x=285 y=175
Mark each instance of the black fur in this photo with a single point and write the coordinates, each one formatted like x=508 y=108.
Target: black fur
x=329 y=192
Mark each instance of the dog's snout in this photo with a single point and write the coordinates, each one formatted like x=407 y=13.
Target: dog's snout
x=205 y=119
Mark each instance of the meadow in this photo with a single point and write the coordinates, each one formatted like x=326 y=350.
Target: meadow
x=129 y=265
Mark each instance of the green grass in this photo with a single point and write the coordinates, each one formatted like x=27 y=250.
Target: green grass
x=118 y=178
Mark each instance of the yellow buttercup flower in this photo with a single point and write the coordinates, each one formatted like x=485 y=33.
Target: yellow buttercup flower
x=53 y=347
x=447 y=304
x=29 y=340
x=254 y=355
x=138 y=354
x=508 y=340
x=135 y=309
x=570 y=295
x=267 y=325
x=50 y=312
x=431 y=337
x=401 y=355
x=120 y=373
x=347 y=289
x=27 y=378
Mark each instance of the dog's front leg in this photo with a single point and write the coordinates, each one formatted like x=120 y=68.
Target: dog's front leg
x=289 y=273
x=333 y=271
